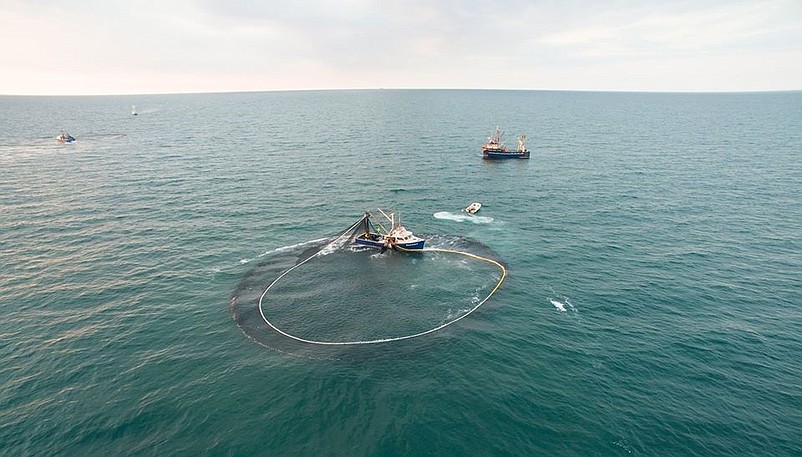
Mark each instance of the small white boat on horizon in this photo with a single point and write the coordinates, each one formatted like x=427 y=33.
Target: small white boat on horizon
x=133 y=110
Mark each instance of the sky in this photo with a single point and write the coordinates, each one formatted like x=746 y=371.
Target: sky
x=82 y=47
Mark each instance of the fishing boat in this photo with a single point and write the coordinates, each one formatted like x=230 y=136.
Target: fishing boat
x=393 y=235
x=494 y=147
x=473 y=208
x=65 y=137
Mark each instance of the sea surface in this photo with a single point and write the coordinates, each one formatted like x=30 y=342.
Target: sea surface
x=652 y=304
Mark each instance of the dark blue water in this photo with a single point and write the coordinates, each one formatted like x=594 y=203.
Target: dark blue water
x=653 y=304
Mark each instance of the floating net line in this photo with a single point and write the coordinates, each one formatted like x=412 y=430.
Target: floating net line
x=338 y=242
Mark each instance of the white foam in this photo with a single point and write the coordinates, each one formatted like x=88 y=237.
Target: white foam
x=335 y=245
x=291 y=247
x=282 y=249
x=562 y=304
x=462 y=217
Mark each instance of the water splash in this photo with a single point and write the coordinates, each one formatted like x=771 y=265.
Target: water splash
x=562 y=303
x=336 y=244
x=558 y=305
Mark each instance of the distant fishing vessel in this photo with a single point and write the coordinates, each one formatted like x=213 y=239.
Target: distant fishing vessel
x=378 y=236
x=133 y=110
x=65 y=137
x=494 y=147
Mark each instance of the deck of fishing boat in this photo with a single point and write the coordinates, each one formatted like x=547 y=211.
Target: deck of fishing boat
x=376 y=235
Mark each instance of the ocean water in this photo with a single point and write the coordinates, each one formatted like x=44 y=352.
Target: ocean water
x=653 y=302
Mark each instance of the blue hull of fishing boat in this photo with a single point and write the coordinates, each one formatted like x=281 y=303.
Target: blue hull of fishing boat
x=491 y=155
x=380 y=244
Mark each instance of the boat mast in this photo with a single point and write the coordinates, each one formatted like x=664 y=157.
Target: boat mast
x=390 y=218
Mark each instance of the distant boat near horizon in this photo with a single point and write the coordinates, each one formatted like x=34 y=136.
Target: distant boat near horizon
x=133 y=110
x=494 y=147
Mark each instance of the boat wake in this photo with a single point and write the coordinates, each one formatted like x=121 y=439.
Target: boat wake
x=283 y=249
x=462 y=217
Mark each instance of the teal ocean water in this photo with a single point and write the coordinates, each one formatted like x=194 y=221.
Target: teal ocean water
x=653 y=303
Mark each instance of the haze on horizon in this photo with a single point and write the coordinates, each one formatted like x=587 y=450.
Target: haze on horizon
x=71 y=47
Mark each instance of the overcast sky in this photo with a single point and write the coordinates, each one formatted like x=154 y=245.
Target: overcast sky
x=167 y=46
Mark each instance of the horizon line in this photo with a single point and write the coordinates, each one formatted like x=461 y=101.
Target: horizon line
x=355 y=89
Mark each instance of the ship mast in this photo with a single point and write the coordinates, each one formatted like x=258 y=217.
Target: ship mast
x=390 y=217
